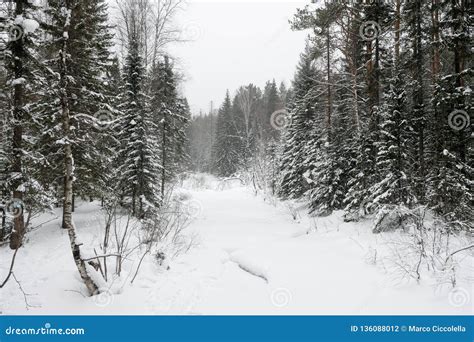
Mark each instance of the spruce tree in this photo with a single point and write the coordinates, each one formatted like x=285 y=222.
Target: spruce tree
x=450 y=171
x=20 y=59
x=225 y=150
x=137 y=158
x=302 y=122
x=92 y=112
x=171 y=116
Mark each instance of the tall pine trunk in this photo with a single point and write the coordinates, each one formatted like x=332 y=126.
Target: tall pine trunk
x=439 y=142
x=163 y=157
x=329 y=88
x=418 y=102
x=398 y=117
x=459 y=14
x=18 y=55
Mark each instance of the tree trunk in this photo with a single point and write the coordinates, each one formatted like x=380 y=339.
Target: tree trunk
x=63 y=198
x=419 y=95
x=459 y=55
x=329 y=89
x=134 y=200
x=436 y=63
x=435 y=72
x=397 y=32
x=68 y=162
x=16 y=238
x=398 y=117
x=351 y=55
x=3 y=227
x=163 y=161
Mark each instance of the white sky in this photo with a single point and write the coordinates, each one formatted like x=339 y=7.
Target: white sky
x=236 y=43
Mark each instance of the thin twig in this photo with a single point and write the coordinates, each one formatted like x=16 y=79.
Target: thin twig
x=459 y=250
x=139 y=265
x=76 y=292
x=25 y=295
x=10 y=272
x=102 y=256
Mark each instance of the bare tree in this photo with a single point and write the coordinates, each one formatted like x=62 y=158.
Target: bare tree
x=248 y=101
x=161 y=16
x=153 y=20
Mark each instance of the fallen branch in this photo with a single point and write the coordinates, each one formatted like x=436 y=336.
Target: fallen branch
x=25 y=295
x=10 y=272
x=102 y=256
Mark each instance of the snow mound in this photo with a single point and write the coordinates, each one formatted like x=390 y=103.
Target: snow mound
x=250 y=265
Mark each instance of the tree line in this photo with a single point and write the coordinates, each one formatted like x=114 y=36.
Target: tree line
x=242 y=133
x=82 y=120
x=377 y=117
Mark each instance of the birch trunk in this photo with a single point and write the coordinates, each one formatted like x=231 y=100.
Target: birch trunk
x=69 y=161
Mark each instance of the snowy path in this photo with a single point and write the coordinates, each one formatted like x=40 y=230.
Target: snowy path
x=251 y=258
x=254 y=259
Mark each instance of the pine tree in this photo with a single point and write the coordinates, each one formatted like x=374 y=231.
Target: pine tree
x=137 y=158
x=19 y=57
x=227 y=141
x=395 y=185
x=413 y=15
x=60 y=29
x=450 y=171
x=326 y=170
x=375 y=56
x=182 y=146
x=271 y=103
x=392 y=158
x=90 y=99
x=201 y=134
x=171 y=115
x=294 y=161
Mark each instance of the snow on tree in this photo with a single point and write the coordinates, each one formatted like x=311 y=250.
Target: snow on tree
x=138 y=166
x=170 y=114
x=227 y=142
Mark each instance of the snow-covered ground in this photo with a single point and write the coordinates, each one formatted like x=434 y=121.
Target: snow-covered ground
x=249 y=257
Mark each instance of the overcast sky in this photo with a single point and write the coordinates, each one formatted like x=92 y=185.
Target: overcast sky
x=235 y=43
